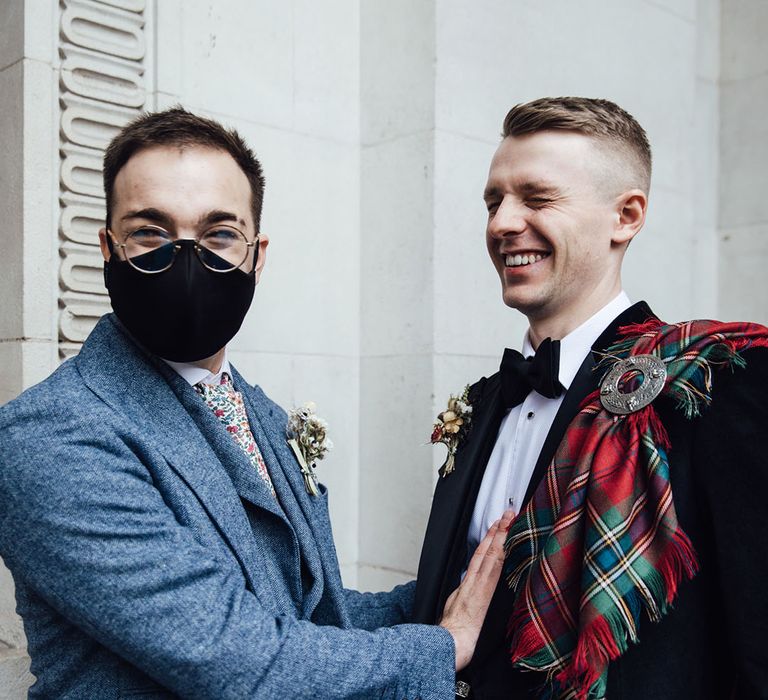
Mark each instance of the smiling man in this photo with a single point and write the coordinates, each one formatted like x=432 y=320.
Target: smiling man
x=164 y=537
x=629 y=448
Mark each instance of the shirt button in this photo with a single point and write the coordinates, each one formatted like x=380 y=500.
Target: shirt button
x=531 y=414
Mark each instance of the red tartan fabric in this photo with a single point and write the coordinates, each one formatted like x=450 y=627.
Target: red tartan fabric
x=599 y=542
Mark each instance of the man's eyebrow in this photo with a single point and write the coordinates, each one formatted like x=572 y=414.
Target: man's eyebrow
x=218 y=215
x=526 y=188
x=537 y=187
x=158 y=217
x=149 y=213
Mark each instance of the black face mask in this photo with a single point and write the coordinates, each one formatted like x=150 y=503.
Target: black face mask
x=185 y=313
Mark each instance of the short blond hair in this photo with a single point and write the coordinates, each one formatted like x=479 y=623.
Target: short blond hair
x=603 y=120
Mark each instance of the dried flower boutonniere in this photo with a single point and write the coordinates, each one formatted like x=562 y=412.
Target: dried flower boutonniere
x=308 y=438
x=451 y=427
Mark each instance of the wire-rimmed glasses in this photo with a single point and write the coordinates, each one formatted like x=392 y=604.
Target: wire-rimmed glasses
x=151 y=249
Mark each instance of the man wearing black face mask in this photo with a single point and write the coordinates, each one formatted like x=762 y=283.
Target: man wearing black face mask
x=163 y=526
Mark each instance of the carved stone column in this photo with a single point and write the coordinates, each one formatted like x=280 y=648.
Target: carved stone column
x=102 y=85
x=71 y=73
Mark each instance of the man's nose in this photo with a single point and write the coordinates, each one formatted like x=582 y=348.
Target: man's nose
x=508 y=219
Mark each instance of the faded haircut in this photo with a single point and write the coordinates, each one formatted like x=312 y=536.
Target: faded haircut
x=611 y=126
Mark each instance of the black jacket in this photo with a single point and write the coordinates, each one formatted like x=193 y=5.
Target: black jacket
x=714 y=643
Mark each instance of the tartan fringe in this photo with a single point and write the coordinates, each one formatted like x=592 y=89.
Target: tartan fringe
x=633 y=331
x=523 y=652
x=603 y=641
x=526 y=639
x=693 y=390
x=607 y=637
x=678 y=563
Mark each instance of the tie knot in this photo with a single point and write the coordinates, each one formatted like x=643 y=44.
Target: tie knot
x=520 y=375
x=223 y=388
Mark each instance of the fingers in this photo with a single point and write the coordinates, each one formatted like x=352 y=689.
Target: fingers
x=491 y=548
x=493 y=558
x=482 y=549
x=466 y=607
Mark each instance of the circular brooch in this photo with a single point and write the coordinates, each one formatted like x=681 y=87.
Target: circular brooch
x=648 y=370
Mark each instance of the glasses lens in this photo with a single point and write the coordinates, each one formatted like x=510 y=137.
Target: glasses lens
x=223 y=249
x=150 y=249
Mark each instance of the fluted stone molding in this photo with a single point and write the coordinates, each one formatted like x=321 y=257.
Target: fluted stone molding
x=102 y=47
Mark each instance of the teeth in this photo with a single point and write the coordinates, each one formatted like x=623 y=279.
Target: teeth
x=518 y=260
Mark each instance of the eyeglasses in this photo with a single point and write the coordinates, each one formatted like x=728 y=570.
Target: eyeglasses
x=152 y=249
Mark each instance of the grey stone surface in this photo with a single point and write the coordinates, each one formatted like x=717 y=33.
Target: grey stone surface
x=11 y=199
x=11 y=632
x=15 y=677
x=12 y=23
x=743 y=222
x=743 y=39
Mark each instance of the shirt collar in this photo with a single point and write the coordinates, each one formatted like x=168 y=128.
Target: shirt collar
x=575 y=346
x=193 y=374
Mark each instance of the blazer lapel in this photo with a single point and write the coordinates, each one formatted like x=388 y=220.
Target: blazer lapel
x=134 y=384
x=444 y=551
x=247 y=482
x=311 y=536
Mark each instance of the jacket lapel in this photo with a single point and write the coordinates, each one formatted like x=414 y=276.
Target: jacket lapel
x=248 y=483
x=135 y=385
x=311 y=536
x=444 y=551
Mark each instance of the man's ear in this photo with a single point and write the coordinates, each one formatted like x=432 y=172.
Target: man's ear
x=631 y=207
x=262 y=257
x=103 y=245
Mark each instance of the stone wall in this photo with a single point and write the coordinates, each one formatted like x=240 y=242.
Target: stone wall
x=743 y=221
x=28 y=209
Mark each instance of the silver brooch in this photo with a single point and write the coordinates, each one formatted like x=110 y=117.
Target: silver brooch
x=654 y=374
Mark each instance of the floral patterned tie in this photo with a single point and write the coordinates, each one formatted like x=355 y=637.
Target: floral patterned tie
x=227 y=405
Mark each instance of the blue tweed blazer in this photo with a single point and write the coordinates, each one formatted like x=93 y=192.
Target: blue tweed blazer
x=150 y=561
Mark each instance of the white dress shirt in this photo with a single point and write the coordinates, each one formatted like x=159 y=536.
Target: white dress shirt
x=195 y=375
x=525 y=427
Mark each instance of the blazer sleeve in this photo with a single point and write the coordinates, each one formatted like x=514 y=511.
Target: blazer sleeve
x=731 y=461
x=369 y=611
x=84 y=527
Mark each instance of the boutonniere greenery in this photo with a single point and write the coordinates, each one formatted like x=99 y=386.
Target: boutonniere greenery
x=308 y=438
x=451 y=427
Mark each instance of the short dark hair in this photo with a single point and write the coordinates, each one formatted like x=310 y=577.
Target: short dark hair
x=178 y=127
x=602 y=119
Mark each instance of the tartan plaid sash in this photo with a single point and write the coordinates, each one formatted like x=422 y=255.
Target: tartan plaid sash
x=599 y=542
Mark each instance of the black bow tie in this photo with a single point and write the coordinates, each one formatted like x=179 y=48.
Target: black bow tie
x=519 y=375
